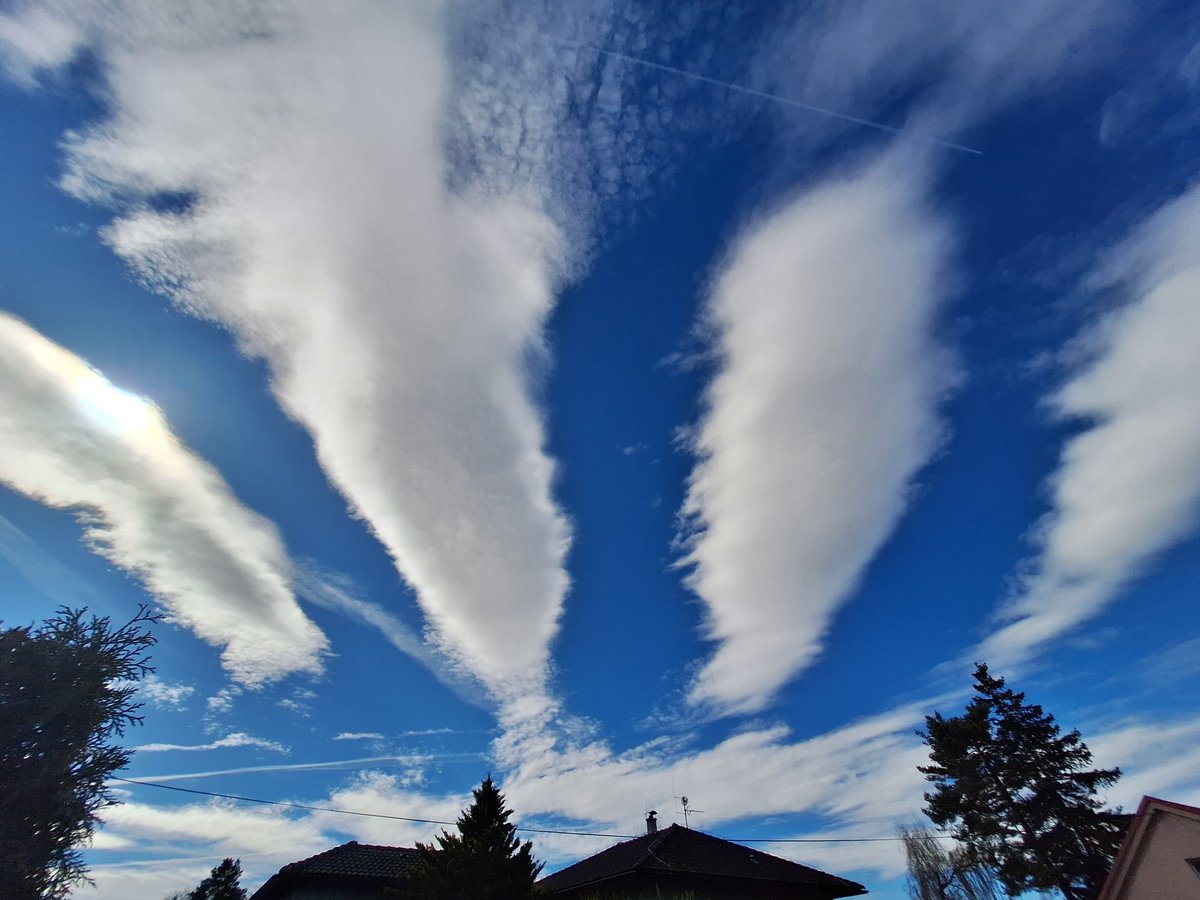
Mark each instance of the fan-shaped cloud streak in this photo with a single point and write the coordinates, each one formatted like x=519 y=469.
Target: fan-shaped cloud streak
x=70 y=439
x=1128 y=485
x=401 y=320
x=823 y=409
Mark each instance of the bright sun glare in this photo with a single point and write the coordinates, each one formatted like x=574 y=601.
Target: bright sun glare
x=112 y=407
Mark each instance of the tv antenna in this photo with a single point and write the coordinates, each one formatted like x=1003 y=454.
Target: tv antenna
x=687 y=809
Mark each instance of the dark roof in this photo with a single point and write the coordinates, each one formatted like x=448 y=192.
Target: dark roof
x=679 y=849
x=357 y=862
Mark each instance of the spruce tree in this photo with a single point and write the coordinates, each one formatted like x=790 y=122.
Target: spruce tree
x=1020 y=795
x=484 y=861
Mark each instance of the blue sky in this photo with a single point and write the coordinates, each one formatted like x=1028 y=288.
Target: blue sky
x=628 y=404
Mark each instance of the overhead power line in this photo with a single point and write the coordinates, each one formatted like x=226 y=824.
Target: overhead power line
x=371 y=815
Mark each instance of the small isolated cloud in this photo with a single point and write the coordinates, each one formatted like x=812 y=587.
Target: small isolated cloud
x=221 y=702
x=358 y=736
x=71 y=439
x=822 y=411
x=164 y=694
x=424 y=732
x=1127 y=487
x=295 y=706
x=237 y=739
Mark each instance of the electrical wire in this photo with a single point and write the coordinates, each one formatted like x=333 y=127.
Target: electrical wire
x=599 y=834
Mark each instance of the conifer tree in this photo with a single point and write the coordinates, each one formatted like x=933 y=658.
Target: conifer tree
x=222 y=884
x=67 y=690
x=1020 y=795
x=484 y=861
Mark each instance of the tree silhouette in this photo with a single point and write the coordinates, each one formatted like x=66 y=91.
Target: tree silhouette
x=484 y=861
x=66 y=689
x=936 y=872
x=222 y=884
x=1019 y=793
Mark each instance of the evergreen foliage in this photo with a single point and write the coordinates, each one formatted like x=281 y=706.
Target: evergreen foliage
x=66 y=690
x=1020 y=795
x=484 y=861
x=222 y=884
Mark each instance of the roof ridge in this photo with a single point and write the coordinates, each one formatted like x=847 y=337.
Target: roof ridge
x=329 y=852
x=342 y=849
x=658 y=838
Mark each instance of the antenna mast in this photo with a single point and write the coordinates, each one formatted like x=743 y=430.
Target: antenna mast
x=687 y=809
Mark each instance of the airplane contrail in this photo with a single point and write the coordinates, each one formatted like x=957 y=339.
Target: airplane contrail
x=735 y=87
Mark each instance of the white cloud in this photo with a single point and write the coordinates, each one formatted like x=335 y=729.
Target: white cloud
x=1128 y=485
x=221 y=702
x=264 y=839
x=401 y=320
x=237 y=739
x=857 y=781
x=164 y=694
x=358 y=736
x=72 y=440
x=1159 y=758
x=949 y=62
x=422 y=732
x=823 y=410
x=324 y=765
x=34 y=40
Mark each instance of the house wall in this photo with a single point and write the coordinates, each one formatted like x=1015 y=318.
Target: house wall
x=1162 y=870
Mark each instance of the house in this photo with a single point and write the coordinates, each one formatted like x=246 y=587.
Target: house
x=1160 y=856
x=352 y=871
x=678 y=862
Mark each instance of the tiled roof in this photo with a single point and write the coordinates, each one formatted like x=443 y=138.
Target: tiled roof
x=679 y=849
x=352 y=861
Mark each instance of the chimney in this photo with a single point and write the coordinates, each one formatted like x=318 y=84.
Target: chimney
x=651 y=821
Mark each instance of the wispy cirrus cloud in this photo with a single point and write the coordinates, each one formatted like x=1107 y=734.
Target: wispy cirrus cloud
x=71 y=439
x=1127 y=486
x=237 y=739
x=41 y=570
x=823 y=410
x=358 y=736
